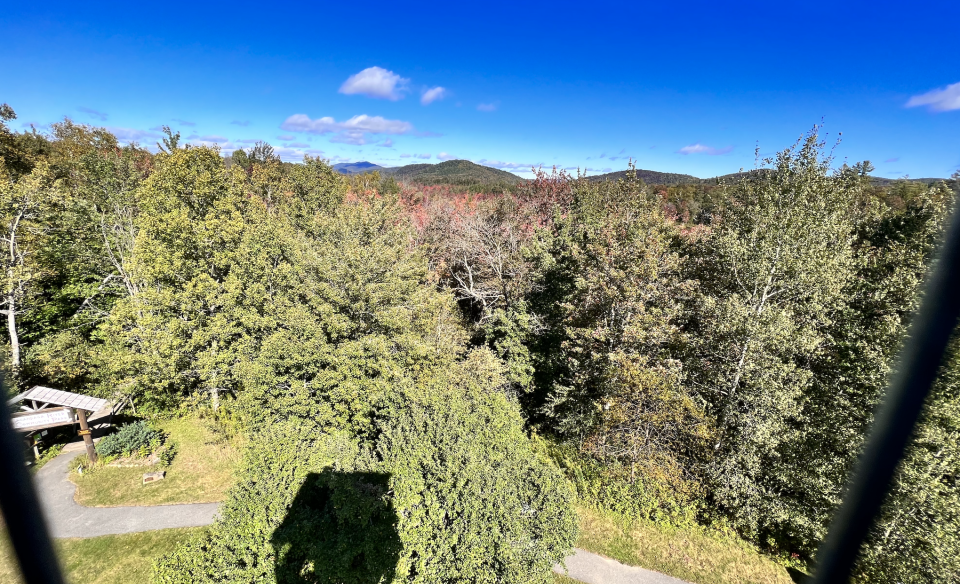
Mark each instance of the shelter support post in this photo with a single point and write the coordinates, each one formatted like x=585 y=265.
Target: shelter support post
x=87 y=439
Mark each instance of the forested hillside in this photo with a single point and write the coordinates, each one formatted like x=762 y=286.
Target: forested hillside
x=433 y=378
x=452 y=172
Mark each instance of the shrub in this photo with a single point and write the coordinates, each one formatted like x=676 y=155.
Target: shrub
x=446 y=488
x=166 y=454
x=136 y=438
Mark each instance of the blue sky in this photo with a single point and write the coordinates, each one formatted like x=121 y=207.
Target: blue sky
x=680 y=87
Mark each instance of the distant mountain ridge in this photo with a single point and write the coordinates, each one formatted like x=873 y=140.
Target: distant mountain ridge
x=454 y=172
x=466 y=173
x=356 y=167
x=654 y=177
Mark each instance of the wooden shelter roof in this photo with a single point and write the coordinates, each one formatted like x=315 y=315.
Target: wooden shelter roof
x=60 y=398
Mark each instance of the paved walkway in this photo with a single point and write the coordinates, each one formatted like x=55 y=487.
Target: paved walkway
x=594 y=569
x=66 y=518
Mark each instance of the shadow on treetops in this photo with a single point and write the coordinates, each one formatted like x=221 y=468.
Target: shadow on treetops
x=341 y=528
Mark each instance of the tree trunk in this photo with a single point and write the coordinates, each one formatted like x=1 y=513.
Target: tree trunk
x=14 y=337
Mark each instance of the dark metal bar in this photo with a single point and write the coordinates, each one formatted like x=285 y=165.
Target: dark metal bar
x=917 y=369
x=21 y=508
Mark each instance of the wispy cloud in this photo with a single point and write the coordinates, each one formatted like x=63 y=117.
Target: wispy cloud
x=894 y=159
x=243 y=123
x=290 y=153
x=297 y=145
x=185 y=122
x=433 y=94
x=446 y=156
x=388 y=143
x=423 y=156
x=488 y=107
x=406 y=156
x=352 y=138
x=375 y=82
x=701 y=149
x=352 y=131
x=133 y=135
x=938 y=100
x=286 y=137
x=506 y=165
x=93 y=113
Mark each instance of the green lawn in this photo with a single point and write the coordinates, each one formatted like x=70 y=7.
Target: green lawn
x=110 y=559
x=694 y=554
x=201 y=472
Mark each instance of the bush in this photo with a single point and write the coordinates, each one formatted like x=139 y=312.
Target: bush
x=134 y=439
x=166 y=454
x=446 y=488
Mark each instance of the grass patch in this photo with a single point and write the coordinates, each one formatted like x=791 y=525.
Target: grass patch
x=561 y=579
x=694 y=554
x=201 y=472
x=110 y=559
x=49 y=454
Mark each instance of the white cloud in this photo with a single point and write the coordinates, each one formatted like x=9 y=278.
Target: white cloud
x=353 y=131
x=225 y=147
x=292 y=153
x=423 y=156
x=938 y=100
x=375 y=82
x=363 y=122
x=297 y=145
x=388 y=143
x=184 y=122
x=354 y=137
x=487 y=107
x=406 y=155
x=506 y=165
x=445 y=156
x=701 y=149
x=433 y=94
x=93 y=113
x=133 y=135
x=286 y=137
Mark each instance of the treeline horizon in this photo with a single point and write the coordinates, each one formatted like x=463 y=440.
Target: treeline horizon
x=686 y=354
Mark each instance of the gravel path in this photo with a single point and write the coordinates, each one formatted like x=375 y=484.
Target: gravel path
x=66 y=518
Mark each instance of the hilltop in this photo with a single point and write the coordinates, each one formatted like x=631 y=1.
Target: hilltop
x=458 y=172
x=650 y=177
x=357 y=167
